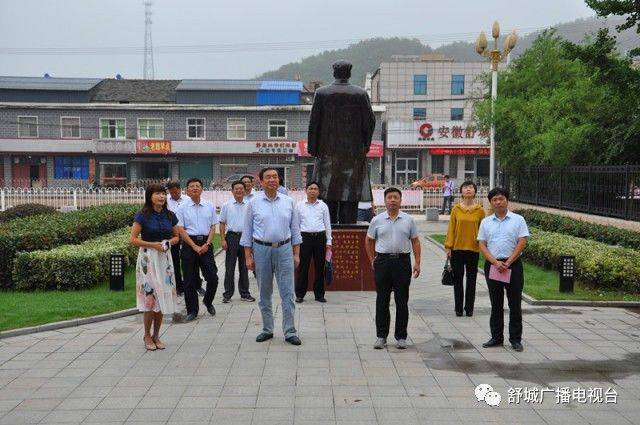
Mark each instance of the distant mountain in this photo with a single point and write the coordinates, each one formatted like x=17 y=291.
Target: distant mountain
x=366 y=55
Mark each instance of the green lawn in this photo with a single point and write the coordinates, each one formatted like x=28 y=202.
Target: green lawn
x=543 y=284
x=22 y=309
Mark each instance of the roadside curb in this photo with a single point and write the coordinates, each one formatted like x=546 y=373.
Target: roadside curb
x=560 y=303
x=74 y=322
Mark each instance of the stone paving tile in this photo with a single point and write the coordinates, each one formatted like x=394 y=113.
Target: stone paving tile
x=213 y=371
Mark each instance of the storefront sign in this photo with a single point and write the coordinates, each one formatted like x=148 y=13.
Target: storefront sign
x=375 y=150
x=414 y=134
x=459 y=151
x=153 y=146
x=278 y=148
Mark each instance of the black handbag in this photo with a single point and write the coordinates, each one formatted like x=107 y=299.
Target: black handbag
x=328 y=272
x=447 y=274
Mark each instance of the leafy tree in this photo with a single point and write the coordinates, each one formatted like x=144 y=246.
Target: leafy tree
x=628 y=8
x=562 y=103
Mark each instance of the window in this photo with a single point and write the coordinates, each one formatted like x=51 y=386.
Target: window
x=437 y=164
x=113 y=173
x=419 y=113
x=277 y=129
x=151 y=128
x=457 y=84
x=27 y=126
x=112 y=128
x=70 y=127
x=457 y=114
x=406 y=169
x=453 y=166
x=236 y=128
x=71 y=168
x=420 y=84
x=195 y=128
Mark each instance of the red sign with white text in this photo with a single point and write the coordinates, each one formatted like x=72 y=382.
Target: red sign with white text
x=459 y=151
x=375 y=150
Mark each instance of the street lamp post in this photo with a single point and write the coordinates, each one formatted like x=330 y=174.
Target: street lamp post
x=495 y=56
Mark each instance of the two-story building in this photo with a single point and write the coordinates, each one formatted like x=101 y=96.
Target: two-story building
x=428 y=119
x=61 y=132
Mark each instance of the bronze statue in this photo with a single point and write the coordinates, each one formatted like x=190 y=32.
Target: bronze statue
x=340 y=131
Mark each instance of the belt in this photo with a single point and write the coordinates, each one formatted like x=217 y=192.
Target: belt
x=234 y=233
x=199 y=238
x=323 y=233
x=272 y=244
x=398 y=255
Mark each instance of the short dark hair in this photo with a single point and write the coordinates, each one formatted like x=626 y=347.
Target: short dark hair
x=246 y=176
x=235 y=183
x=312 y=182
x=446 y=176
x=469 y=183
x=194 y=179
x=173 y=185
x=498 y=191
x=265 y=169
x=392 y=190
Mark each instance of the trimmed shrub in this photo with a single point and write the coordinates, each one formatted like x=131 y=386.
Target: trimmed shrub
x=597 y=264
x=44 y=232
x=570 y=226
x=25 y=210
x=69 y=267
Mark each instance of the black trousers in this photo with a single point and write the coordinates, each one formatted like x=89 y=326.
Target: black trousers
x=392 y=274
x=461 y=260
x=514 y=298
x=235 y=253
x=175 y=256
x=313 y=246
x=446 y=204
x=343 y=212
x=192 y=265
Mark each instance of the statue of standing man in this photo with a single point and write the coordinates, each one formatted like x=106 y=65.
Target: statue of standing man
x=340 y=131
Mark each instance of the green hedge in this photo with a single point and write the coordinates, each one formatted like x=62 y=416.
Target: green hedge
x=45 y=232
x=570 y=226
x=68 y=267
x=597 y=264
x=25 y=210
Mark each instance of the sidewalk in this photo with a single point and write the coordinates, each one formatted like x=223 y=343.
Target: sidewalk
x=214 y=372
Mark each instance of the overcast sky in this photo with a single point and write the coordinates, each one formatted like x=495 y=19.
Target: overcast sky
x=284 y=30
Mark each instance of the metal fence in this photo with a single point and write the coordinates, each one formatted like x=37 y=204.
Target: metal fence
x=76 y=198
x=612 y=191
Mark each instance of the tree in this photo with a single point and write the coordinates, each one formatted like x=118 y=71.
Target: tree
x=562 y=103
x=628 y=8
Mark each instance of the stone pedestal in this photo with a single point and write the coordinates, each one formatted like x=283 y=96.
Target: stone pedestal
x=351 y=267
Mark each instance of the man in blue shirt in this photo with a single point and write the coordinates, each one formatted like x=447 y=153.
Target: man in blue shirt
x=271 y=240
x=447 y=195
x=502 y=237
x=197 y=221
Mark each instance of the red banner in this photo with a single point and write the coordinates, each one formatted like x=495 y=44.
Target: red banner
x=459 y=151
x=375 y=150
x=153 y=146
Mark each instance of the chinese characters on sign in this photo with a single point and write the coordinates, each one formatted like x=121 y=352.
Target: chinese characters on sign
x=277 y=147
x=153 y=146
x=562 y=395
x=426 y=132
x=443 y=134
x=346 y=259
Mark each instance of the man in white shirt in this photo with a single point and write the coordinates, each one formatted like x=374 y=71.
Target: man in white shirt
x=174 y=201
x=231 y=224
x=315 y=227
x=247 y=181
x=447 y=195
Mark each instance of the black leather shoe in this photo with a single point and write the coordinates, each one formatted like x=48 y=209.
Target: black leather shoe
x=211 y=309
x=321 y=300
x=200 y=292
x=469 y=313
x=459 y=313
x=190 y=317
x=517 y=346
x=493 y=343
x=293 y=340
x=299 y=300
x=264 y=337
x=225 y=300
x=248 y=298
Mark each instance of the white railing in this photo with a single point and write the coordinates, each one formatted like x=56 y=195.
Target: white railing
x=75 y=198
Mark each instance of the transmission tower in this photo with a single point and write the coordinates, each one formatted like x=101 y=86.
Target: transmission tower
x=148 y=70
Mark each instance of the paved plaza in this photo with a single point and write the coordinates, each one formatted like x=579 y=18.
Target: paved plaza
x=214 y=372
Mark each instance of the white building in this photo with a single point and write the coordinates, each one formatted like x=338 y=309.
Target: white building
x=429 y=113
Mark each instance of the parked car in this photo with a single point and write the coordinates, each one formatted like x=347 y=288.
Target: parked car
x=434 y=181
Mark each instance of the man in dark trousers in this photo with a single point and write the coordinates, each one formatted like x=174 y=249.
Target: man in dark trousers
x=502 y=237
x=391 y=237
x=174 y=201
x=197 y=221
x=231 y=223
x=315 y=228
x=340 y=130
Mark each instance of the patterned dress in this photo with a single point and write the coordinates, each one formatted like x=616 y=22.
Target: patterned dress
x=155 y=276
